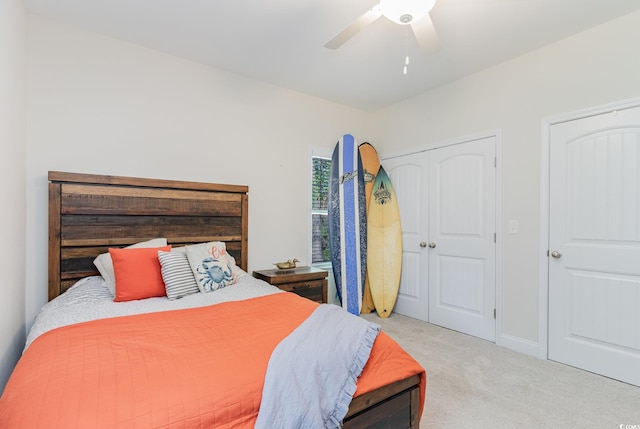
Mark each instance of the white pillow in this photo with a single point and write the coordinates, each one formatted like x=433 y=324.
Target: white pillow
x=104 y=264
x=212 y=266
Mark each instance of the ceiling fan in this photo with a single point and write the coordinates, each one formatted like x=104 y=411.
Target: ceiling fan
x=414 y=13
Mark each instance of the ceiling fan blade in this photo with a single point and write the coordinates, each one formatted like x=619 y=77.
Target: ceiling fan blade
x=353 y=28
x=426 y=35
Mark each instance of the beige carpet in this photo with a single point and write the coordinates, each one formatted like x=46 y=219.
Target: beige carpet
x=472 y=383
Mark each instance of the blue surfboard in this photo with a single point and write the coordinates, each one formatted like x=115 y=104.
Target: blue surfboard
x=348 y=223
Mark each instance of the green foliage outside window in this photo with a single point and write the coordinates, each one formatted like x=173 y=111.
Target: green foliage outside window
x=321 y=176
x=320 y=185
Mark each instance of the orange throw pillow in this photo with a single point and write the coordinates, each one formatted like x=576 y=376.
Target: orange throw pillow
x=137 y=273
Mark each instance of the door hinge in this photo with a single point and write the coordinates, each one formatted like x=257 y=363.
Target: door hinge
x=495 y=161
x=494 y=237
x=494 y=313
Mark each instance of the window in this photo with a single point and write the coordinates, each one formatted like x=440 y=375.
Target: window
x=320 y=178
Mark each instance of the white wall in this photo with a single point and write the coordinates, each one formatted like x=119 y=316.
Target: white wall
x=593 y=68
x=102 y=106
x=12 y=177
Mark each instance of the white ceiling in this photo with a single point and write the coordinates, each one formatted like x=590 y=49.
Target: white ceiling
x=281 y=41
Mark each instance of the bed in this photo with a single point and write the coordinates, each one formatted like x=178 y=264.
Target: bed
x=69 y=370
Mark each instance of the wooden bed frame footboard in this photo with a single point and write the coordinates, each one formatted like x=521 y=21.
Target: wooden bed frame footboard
x=395 y=406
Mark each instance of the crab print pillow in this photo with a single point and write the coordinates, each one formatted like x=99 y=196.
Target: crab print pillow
x=211 y=265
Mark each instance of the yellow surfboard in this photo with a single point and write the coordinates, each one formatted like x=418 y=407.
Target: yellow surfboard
x=384 y=245
x=370 y=164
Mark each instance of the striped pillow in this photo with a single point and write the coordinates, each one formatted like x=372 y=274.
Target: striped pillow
x=177 y=275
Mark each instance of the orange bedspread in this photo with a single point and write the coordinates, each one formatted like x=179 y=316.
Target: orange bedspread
x=195 y=368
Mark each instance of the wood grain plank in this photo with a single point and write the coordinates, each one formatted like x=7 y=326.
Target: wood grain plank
x=148 y=205
x=127 y=241
x=69 y=190
x=79 y=233
x=415 y=408
x=59 y=176
x=54 y=240
x=244 y=263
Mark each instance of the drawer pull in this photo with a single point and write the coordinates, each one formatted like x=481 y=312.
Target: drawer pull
x=298 y=287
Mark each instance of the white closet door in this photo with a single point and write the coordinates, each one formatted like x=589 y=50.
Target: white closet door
x=408 y=175
x=594 y=243
x=462 y=229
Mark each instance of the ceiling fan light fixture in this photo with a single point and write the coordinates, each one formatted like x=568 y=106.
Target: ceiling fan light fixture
x=406 y=11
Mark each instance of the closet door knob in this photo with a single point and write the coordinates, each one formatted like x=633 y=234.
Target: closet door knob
x=432 y=245
x=423 y=244
x=556 y=254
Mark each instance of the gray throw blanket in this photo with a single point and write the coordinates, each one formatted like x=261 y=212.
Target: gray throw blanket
x=311 y=375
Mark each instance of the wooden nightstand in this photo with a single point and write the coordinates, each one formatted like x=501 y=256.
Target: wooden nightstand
x=305 y=281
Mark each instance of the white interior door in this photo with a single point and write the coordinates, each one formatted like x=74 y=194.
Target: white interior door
x=408 y=175
x=462 y=260
x=594 y=243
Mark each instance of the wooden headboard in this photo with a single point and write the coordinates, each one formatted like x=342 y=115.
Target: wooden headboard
x=90 y=213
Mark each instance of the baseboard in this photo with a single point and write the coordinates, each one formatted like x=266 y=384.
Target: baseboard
x=518 y=344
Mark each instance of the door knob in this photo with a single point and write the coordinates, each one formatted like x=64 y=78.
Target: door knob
x=556 y=254
x=423 y=244
x=432 y=245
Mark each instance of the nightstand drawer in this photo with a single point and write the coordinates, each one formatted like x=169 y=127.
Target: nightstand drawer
x=311 y=289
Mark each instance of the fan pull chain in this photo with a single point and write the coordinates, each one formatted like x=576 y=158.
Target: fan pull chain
x=406 y=52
